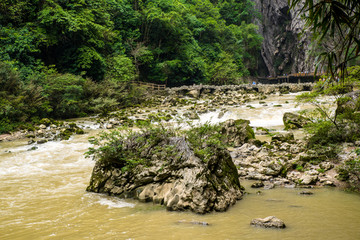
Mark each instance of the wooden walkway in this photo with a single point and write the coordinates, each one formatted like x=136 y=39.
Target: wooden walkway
x=291 y=78
x=152 y=86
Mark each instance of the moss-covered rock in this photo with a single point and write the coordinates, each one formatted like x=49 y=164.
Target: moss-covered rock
x=237 y=132
x=282 y=137
x=294 y=121
x=65 y=134
x=45 y=121
x=79 y=131
x=166 y=171
x=349 y=104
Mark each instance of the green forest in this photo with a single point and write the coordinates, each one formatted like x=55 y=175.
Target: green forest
x=71 y=58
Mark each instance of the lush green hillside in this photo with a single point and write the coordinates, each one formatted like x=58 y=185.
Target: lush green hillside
x=69 y=58
x=173 y=41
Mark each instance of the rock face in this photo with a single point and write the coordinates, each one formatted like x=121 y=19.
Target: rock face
x=294 y=121
x=283 y=51
x=177 y=179
x=268 y=222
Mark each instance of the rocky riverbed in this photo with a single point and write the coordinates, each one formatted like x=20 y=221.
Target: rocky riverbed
x=54 y=177
x=281 y=160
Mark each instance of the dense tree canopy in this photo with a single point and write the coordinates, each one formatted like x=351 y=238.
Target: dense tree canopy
x=68 y=58
x=173 y=41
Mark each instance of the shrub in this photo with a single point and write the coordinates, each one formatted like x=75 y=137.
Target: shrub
x=129 y=149
x=350 y=171
x=9 y=79
x=65 y=94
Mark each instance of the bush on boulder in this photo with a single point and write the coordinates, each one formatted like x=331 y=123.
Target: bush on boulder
x=158 y=166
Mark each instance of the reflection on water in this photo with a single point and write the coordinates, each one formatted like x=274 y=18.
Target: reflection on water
x=43 y=197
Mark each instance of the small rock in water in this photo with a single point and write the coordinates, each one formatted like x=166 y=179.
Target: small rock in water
x=329 y=183
x=257 y=185
x=194 y=222
x=269 y=186
x=268 y=222
x=295 y=206
x=221 y=114
x=33 y=148
x=306 y=192
x=274 y=200
x=42 y=141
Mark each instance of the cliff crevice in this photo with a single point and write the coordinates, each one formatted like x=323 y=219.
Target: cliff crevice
x=283 y=50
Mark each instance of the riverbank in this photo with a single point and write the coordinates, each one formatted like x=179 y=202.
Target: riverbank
x=169 y=101
x=272 y=160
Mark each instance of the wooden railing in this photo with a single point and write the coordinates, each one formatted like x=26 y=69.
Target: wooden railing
x=291 y=78
x=152 y=86
x=312 y=74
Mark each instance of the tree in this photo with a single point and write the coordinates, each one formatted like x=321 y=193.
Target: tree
x=338 y=20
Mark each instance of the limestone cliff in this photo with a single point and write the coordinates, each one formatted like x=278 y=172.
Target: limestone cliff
x=283 y=51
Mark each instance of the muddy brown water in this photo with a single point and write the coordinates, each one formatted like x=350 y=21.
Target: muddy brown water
x=43 y=197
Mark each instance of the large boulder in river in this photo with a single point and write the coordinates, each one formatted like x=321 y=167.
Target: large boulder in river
x=165 y=170
x=237 y=132
x=268 y=222
x=294 y=121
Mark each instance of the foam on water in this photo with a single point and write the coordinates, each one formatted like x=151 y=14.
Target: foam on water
x=49 y=158
x=109 y=201
x=115 y=203
x=211 y=117
x=259 y=116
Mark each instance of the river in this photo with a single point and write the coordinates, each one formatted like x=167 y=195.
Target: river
x=43 y=197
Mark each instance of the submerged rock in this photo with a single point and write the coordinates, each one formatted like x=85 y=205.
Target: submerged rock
x=257 y=185
x=269 y=186
x=177 y=178
x=268 y=222
x=194 y=222
x=306 y=193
